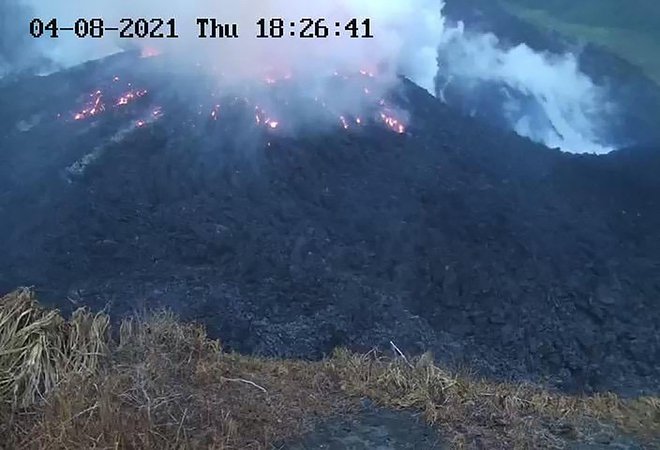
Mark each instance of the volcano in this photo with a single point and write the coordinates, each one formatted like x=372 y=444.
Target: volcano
x=407 y=223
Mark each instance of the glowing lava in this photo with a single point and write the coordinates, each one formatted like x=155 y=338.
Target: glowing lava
x=149 y=52
x=216 y=112
x=129 y=96
x=369 y=110
x=94 y=107
x=155 y=115
x=261 y=117
x=393 y=123
x=96 y=104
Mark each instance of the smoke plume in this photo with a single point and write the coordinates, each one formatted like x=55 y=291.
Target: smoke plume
x=406 y=34
x=540 y=95
x=544 y=97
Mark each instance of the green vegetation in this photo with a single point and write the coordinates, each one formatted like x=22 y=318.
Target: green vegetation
x=630 y=29
x=162 y=384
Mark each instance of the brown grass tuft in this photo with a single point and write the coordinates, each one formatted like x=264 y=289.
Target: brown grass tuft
x=498 y=415
x=165 y=385
x=38 y=348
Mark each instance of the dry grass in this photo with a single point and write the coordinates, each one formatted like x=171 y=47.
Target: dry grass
x=38 y=348
x=164 y=385
x=498 y=415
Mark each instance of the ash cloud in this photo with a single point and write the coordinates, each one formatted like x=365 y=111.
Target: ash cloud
x=544 y=97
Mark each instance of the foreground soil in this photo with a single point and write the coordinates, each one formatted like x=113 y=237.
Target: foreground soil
x=160 y=383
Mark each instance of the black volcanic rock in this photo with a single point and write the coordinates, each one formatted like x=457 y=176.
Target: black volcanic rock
x=490 y=250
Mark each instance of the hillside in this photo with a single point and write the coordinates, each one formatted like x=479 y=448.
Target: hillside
x=314 y=259
x=631 y=29
x=494 y=253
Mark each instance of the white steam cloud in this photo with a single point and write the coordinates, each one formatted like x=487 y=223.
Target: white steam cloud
x=406 y=34
x=548 y=98
x=543 y=96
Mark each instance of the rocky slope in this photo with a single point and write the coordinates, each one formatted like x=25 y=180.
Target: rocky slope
x=493 y=252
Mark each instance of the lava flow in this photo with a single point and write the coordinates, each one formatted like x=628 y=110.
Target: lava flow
x=94 y=107
x=129 y=96
x=262 y=118
x=97 y=105
x=393 y=123
x=278 y=103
